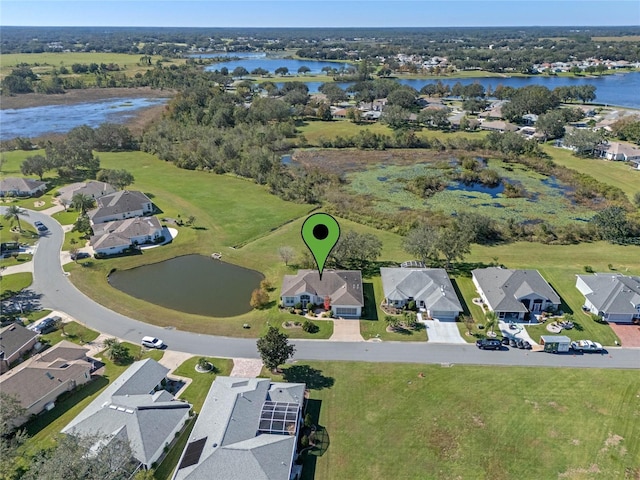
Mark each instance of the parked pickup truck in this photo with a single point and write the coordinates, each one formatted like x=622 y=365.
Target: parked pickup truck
x=586 y=346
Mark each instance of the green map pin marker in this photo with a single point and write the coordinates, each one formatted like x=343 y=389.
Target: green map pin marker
x=321 y=233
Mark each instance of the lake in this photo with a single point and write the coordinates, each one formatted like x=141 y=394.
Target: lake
x=191 y=284
x=251 y=61
x=618 y=89
x=37 y=121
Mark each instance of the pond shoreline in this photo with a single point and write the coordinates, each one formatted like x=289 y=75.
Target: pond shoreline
x=29 y=100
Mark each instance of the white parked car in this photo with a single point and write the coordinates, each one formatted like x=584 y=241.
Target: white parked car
x=586 y=346
x=152 y=342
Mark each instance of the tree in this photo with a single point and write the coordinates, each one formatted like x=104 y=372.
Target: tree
x=82 y=202
x=333 y=92
x=282 y=71
x=259 y=298
x=84 y=457
x=239 y=72
x=491 y=321
x=636 y=199
x=405 y=97
x=35 y=165
x=120 y=179
x=354 y=115
x=612 y=225
x=304 y=69
x=13 y=214
x=117 y=351
x=286 y=254
x=83 y=225
x=395 y=116
x=355 y=250
x=583 y=141
x=551 y=124
x=274 y=348
x=260 y=71
x=473 y=105
x=421 y=242
x=73 y=251
x=468 y=322
x=145 y=475
x=453 y=242
x=10 y=440
x=111 y=137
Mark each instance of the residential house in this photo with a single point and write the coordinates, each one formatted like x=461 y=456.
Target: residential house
x=135 y=407
x=343 y=287
x=92 y=189
x=613 y=296
x=529 y=119
x=430 y=288
x=121 y=205
x=498 y=126
x=247 y=430
x=21 y=187
x=116 y=236
x=339 y=113
x=511 y=294
x=39 y=381
x=623 y=151
x=15 y=341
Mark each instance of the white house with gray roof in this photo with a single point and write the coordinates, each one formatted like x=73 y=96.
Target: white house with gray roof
x=114 y=237
x=511 y=294
x=247 y=430
x=343 y=287
x=92 y=189
x=430 y=288
x=21 y=187
x=135 y=408
x=120 y=205
x=615 y=297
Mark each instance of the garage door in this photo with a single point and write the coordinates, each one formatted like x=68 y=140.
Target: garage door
x=444 y=316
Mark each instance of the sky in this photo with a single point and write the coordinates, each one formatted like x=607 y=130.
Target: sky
x=313 y=13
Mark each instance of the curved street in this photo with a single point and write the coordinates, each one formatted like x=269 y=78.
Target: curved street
x=56 y=292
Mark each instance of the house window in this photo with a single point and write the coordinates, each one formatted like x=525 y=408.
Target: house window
x=289 y=300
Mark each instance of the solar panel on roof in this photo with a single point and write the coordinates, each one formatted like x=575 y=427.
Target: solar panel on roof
x=192 y=453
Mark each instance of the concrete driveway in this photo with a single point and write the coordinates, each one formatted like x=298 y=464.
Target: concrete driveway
x=441 y=332
x=520 y=332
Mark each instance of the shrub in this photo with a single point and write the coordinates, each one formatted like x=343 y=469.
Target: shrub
x=298 y=306
x=304 y=441
x=266 y=285
x=588 y=268
x=308 y=421
x=411 y=305
x=310 y=327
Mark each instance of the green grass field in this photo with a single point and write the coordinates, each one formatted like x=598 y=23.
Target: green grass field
x=385 y=421
x=14 y=283
x=45 y=62
x=73 y=332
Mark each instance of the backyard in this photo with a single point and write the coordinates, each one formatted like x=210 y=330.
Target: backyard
x=460 y=425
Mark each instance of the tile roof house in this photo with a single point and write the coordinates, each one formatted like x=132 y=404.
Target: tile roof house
x=38 y=381
x=430 y=288
x=21 y=187
x=121 y=205
x=615 y=297
x=92 y=189
x=498 y=126
x=343 y=287
x=15 y=341
x=513 y=293
x=623 y=151
x=247 y=430
x=136 y=408
x=116 y=236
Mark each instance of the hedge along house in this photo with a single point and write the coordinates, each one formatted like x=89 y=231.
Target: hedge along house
x=614 y=297
x=512 y=294
x=343 y=287
x=430 y=288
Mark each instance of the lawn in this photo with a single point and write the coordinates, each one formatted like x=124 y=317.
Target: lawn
x=67 y=217
x=19 y=260
x=15 y=282
x=73 y=332
x=388 y=421
x=201 y=382
x=618 y=174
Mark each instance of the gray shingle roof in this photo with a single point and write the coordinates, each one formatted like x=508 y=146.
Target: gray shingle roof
x=19 y=184
x=119 y=202
x=228 y=424
x=502 y=287
x=613 y=293
x=431 y=285
x=127 y=407
x=92 y=189
x=344 y=287
x=12 y=338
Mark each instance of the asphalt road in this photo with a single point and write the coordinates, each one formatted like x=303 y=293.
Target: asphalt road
x=57 y=292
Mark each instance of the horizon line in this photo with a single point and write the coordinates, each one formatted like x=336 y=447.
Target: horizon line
x=325 y=27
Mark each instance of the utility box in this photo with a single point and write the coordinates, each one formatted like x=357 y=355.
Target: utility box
x=555 y=343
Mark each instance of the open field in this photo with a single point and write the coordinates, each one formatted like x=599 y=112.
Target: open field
x=43 y=63
x=385 y=421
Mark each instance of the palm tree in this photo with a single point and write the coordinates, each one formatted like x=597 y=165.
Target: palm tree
x=13 y=213
x=492 y=320
x=82 y=202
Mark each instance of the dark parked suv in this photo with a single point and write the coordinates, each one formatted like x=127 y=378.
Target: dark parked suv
x=489 y=344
